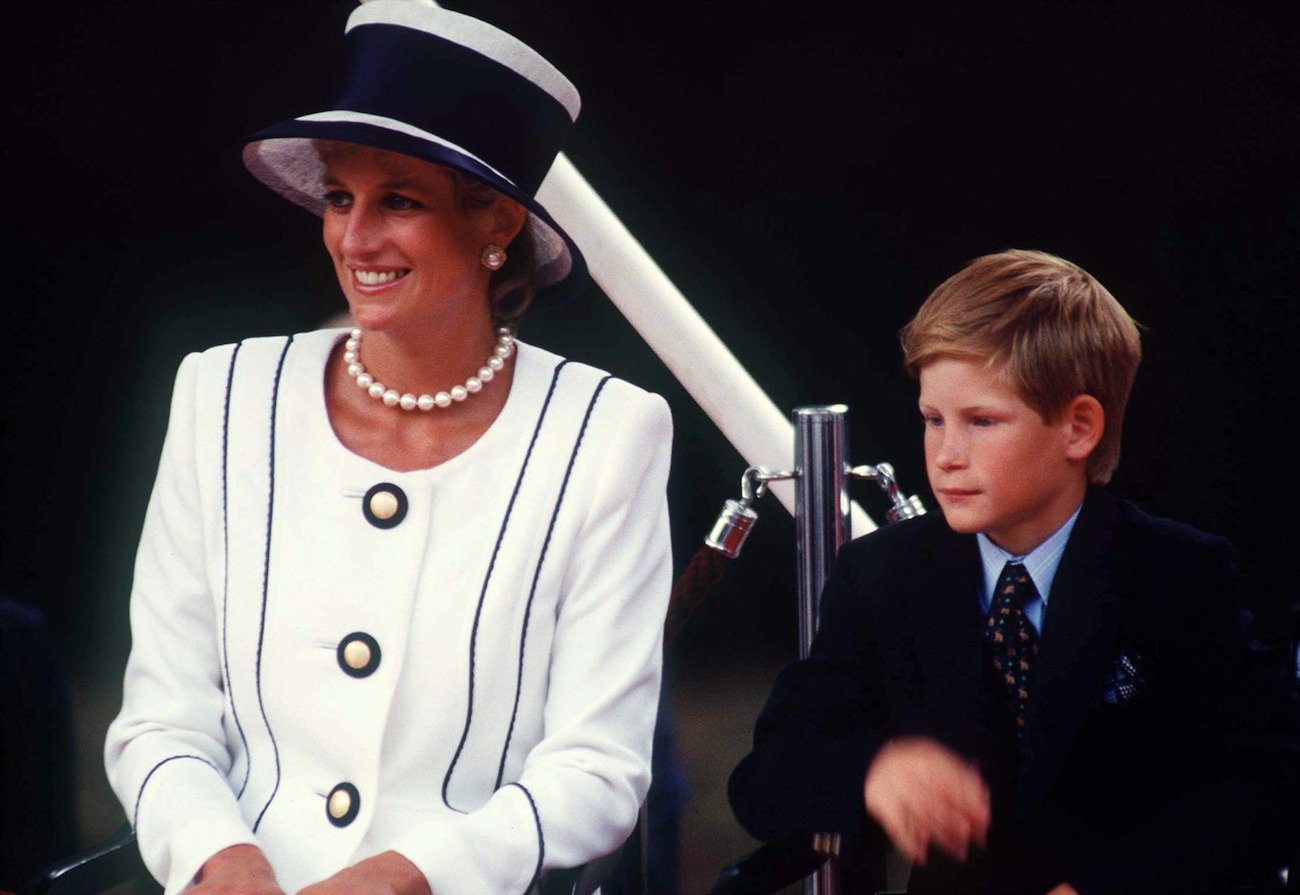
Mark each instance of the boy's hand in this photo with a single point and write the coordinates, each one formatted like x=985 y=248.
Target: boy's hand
x=388 y=873
x=922 y=793
x=237 y=870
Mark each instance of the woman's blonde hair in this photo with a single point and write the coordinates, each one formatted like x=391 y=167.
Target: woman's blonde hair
x=1047 y=325
x=512 y=287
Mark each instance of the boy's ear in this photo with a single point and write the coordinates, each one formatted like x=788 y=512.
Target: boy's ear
x=1085 y=421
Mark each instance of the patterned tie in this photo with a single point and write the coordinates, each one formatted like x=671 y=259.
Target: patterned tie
x=1012 y=639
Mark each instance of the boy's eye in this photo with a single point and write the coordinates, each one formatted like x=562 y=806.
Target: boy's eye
x=398 y=202
x=931 y=420
x=337 y=198
x=982 y=421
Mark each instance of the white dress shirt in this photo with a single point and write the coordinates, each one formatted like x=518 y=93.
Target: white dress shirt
x=1040 y=563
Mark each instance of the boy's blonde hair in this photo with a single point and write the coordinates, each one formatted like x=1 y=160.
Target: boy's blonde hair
x=1053 y=331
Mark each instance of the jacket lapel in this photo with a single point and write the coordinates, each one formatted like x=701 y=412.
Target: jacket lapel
x=945 y=620
x=1076 y=648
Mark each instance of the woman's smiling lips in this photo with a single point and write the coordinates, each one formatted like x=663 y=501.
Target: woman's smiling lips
x=375 y=280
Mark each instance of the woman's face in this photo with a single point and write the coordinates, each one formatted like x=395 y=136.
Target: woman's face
x=405 y=249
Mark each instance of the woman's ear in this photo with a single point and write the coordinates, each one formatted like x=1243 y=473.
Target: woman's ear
x=1085 y=421
x=506 y=218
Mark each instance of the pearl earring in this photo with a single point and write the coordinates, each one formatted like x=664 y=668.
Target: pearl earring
x=493 y=256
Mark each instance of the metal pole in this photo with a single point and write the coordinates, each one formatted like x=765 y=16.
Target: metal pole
x=821 y=448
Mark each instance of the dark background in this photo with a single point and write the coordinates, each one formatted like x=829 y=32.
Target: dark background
x=805 y=173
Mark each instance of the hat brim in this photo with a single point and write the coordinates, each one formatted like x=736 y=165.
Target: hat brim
x=282 y=157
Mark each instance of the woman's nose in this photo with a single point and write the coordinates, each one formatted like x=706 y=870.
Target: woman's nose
x=362 y=232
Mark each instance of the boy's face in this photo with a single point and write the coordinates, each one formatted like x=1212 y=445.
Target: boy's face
x=994 y=465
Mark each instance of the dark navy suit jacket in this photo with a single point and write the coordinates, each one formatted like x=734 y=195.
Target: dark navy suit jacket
x=1162 y=745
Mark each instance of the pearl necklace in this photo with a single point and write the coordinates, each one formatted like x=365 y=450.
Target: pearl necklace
x=505 y=346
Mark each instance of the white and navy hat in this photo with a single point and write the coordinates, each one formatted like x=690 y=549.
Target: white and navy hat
x=448 y=89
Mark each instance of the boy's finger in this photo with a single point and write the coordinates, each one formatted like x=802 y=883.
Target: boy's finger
x=920 y=851
x=899 y=833
x=973 y=796
x=954 y=830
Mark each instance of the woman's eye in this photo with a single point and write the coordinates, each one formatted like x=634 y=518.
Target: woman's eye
x=398 y=202
x=337 y=198
x=982 y=421
x=931 y=421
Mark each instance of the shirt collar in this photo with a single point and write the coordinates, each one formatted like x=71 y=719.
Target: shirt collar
x=1041 y=563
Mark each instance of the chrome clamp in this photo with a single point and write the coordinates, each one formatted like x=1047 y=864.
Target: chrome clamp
x=737 y=517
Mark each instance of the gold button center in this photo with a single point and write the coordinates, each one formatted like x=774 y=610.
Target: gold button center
x=340 y=804
x=356 y=654
x=383 y=505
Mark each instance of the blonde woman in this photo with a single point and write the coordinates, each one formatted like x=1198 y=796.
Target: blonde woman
x=399 y=597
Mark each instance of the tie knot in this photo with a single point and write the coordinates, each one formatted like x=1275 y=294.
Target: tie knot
x=1015 y=586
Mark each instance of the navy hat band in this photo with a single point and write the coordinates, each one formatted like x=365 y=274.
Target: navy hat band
x=380 y=135
x=444 y=88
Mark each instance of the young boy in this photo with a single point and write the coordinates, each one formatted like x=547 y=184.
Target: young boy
x=1044 y=689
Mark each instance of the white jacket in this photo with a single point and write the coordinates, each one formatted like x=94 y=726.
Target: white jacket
x=474 y=686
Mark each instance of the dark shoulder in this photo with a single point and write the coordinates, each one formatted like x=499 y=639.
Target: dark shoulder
x=876 y=576
x=900 y=547
x=1159 y=536
x=1177 y=577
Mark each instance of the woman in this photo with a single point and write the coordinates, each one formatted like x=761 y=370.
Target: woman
x=399 y=596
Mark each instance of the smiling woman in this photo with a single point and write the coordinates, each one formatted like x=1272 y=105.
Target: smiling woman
x=398 y=605
x=395 y=231
x=410 y=186
x=415 y=260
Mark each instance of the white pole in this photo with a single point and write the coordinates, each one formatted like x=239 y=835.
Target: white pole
x=676 y=332
x=701 y=362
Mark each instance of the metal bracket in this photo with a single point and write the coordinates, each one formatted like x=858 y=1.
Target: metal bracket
x=901 y=507
x=737 y=517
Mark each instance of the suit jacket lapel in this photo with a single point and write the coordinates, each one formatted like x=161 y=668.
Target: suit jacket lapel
x=945 y=617
x=1076 y=648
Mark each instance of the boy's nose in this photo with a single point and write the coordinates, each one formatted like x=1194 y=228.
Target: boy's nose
x=950 y=451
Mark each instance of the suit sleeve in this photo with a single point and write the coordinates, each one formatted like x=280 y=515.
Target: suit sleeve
x=166 y=752
x=823 y=723
x=583 y=783
x=1245 y=714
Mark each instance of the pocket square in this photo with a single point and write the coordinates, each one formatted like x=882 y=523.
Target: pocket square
x=1128 y=679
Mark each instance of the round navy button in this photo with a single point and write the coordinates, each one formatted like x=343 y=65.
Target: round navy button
x=358 y=654
x=384 y=505
x=342 y=804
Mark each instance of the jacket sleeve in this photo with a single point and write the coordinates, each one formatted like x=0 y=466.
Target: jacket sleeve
x=823 y=722
x=166 y=752
x=583 y=783
x=1244 y=713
